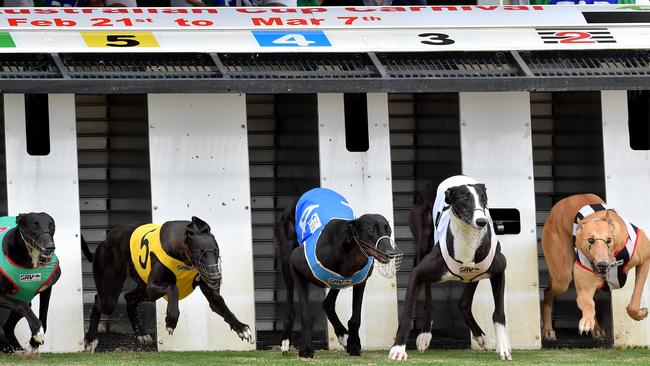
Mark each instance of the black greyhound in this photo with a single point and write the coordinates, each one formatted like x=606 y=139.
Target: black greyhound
x=344 y=248
x=28 y=267
x=465 y=249
x=167 y=260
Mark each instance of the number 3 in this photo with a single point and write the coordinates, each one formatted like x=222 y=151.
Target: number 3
x=436 y=39
x=124 y=39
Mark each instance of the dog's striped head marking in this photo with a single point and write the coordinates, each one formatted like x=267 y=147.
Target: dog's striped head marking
x=468 y=203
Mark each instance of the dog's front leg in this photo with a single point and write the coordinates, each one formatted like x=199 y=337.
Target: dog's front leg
x=329 y=305
x=218 y=305
x=398 y=351
x=503 y=346
x=354 y=342
x=634 y=309
x=35 y=325
x=586 y=285
x=157 y=290
x=44 y=300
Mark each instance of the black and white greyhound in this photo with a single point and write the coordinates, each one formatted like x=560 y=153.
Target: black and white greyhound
x=28 y=268
x=465 y=248
x=320 y=242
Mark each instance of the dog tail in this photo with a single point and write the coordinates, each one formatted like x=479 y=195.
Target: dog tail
x=86 y=250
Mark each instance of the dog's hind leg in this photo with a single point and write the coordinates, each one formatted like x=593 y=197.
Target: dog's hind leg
x=289 y=312
x=329 y=305
x=465 y=308
x=559 y=259
x=424 y=338
x=306 y=347
x=91 y=337
x=9 y=328
x=133 y=300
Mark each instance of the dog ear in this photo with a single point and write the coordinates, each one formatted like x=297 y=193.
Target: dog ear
x=350 y=230
x=448 y=195
x=579 y=226
x=20 y=219
x=201 y=226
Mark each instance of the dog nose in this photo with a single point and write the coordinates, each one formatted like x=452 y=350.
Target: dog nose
x=481 y=222
x=602 y=267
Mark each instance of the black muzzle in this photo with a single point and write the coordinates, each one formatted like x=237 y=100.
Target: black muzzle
x=210 y=272
x=40 y=255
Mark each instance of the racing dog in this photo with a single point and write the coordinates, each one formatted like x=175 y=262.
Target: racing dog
x=326 y=246
x=167 y=260
x=465 y=248
x=28 y=267
x=585 y=240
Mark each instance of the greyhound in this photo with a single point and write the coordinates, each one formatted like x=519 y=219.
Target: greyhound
x=465 y=249
x=167 y=260
x=28 y=267
x=585 y=240
x=327 y=247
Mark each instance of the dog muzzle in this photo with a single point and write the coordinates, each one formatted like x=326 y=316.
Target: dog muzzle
x=40 y=256
x=210 y=273
x=387 y=264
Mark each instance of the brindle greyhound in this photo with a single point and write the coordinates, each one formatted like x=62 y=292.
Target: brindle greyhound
x=594 y=245
x=344 y=248
x=465 y=249
x=189 y=257
x=29 y=247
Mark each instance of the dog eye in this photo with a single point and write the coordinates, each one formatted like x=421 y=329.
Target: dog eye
x=609 y=240
x=371 y=229
x=591 y=240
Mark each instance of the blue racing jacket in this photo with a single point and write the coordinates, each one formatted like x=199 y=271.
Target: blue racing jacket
x=314 y=210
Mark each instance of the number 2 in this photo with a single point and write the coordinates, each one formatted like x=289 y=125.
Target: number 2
x=575 y=37
x=436 y=39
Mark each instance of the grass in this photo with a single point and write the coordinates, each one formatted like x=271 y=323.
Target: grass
x=432 y=357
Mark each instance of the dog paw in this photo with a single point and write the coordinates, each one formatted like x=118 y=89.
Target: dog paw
x=549 y=335
x=599 y=334
x=145 y=339
x=398 y=353
x=482 y=342
x=91 y=346
x=343 y=340
x=638 y=314
x=306 y=352
x=353 y=349
x=39 y=337
x=170 y=330
x=423 y=341
x=284 y=346
x=503 y=342
x=245 y=334
x=586 y=325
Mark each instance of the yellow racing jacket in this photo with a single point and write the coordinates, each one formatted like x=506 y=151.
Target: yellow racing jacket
x=145 y=240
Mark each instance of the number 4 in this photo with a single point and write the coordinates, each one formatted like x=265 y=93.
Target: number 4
x=293 y=39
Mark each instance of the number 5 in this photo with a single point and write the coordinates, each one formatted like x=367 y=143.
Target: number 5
x=128 y=40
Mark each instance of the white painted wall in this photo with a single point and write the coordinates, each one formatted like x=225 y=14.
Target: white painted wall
x=199 y=167
x=627 y=180
x=496 y=149
x=50 y=184
x=364 y=179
